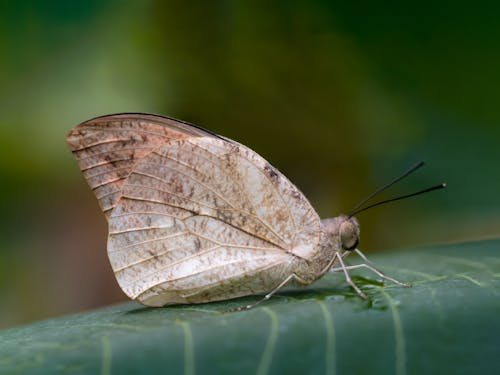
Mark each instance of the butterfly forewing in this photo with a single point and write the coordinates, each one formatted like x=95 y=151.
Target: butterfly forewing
x=108 y=147
x=201 y=219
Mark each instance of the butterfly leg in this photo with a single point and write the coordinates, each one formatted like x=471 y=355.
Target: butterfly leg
x=268 y=295
x=368 y=265
x=348 y=277
x=372 y=268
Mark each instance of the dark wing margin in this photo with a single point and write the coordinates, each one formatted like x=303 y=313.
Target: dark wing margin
x=108 y=147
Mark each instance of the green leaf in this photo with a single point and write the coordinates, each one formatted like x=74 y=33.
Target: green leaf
x=447 y=323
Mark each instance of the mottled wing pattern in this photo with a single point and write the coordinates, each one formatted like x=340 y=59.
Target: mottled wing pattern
x=202 y=219
x=107 y=148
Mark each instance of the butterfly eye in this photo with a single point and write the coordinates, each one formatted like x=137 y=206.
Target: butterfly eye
x=349 y=234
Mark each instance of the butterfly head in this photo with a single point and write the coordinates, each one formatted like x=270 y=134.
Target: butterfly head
x=344 y=230
x=349 y=233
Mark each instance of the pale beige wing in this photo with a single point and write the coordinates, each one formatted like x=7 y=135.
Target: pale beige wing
x=107 y=147
x=202 y=219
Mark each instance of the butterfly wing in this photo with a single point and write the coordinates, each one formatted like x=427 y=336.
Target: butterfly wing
x=107 y=148
x=204 y=218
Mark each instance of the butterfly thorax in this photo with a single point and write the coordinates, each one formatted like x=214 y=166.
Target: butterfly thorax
x=338 y=234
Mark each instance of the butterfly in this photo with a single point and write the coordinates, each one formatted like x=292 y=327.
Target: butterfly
x=196 y=217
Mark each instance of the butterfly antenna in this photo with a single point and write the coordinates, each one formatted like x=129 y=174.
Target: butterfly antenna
x=386 y=186
x=437 y=187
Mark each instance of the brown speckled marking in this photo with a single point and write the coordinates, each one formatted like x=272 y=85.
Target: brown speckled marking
x=195 y=217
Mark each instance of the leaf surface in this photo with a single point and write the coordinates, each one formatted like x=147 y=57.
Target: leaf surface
x=448 y=322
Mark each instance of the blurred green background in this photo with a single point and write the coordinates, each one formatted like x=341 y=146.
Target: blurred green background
x=340 y=97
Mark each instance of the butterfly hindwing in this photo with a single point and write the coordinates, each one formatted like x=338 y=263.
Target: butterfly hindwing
x=202 y=218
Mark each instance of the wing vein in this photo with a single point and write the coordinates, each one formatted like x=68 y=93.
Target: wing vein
x=114 y=151
x=99 y=143
x=189 y=176
x=147 y=213
x=106 y=172
x=107 y=194
x=135 y=130
x=148 y=241
x=152 y=257
x=174 y=194
x=190 y=275
x=249 y=233
x=104 y=163
x=158 y=201
x=137 y=230
x=107 y=182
